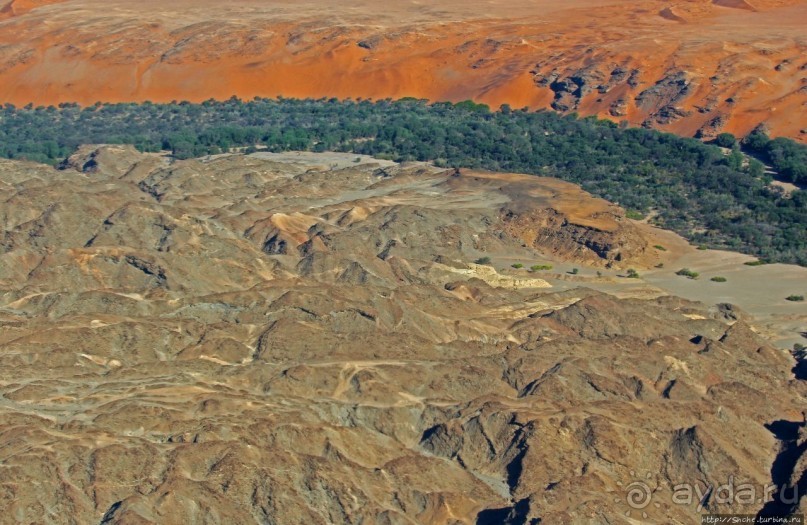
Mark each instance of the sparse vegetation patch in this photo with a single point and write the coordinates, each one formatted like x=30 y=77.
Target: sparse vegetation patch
x=755 y=263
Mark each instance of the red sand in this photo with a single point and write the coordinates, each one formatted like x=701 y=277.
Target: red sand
x=745 y=61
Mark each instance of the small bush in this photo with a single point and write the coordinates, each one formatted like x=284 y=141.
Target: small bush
x=539 y=267
x=634 y=214
x=686 y=272
x=517 y=266
x=660 y=248
x=755 y=263
x=660 y=265
x=483 y=260
x=574 y=271
x=725 y=140
x=633 y=274
x=795 y=298
x=718 y=279
x=703 y=247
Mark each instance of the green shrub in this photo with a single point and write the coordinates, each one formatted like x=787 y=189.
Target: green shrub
x=703 y=247
x=795 y=298
x=470 y=105
x=517 y=266
x=634 y=214
x=686 y=272
x=725 y=140
x=483 y=260
x=718 y=279
x=633 y=274
x=755 y=263
x=660 y=248
x=575 y=271
x=540 y=267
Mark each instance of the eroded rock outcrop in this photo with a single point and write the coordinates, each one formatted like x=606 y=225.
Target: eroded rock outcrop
x=242 y=340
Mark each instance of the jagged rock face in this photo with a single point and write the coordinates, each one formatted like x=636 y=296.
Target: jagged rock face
x=679 y=66
x=610 y=242
x=161 y=365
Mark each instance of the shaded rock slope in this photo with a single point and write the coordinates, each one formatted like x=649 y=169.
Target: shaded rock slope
x=244 y=340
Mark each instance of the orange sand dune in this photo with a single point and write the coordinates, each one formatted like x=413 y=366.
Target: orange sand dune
x=18 y=7
x=693 y=67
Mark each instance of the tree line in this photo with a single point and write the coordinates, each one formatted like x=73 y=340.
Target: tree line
x=693 y=188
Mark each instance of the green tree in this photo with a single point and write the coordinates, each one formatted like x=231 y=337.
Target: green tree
x=725 y=140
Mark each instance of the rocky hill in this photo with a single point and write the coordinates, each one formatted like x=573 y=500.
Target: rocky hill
x=300 y=339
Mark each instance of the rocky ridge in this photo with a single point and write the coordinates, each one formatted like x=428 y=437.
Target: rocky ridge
x=281 y=339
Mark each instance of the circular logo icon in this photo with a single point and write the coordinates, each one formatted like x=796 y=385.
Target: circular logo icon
x=637 y=494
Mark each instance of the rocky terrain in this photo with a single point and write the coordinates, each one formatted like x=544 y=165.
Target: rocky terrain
x=693 y=67
x=300 y=339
